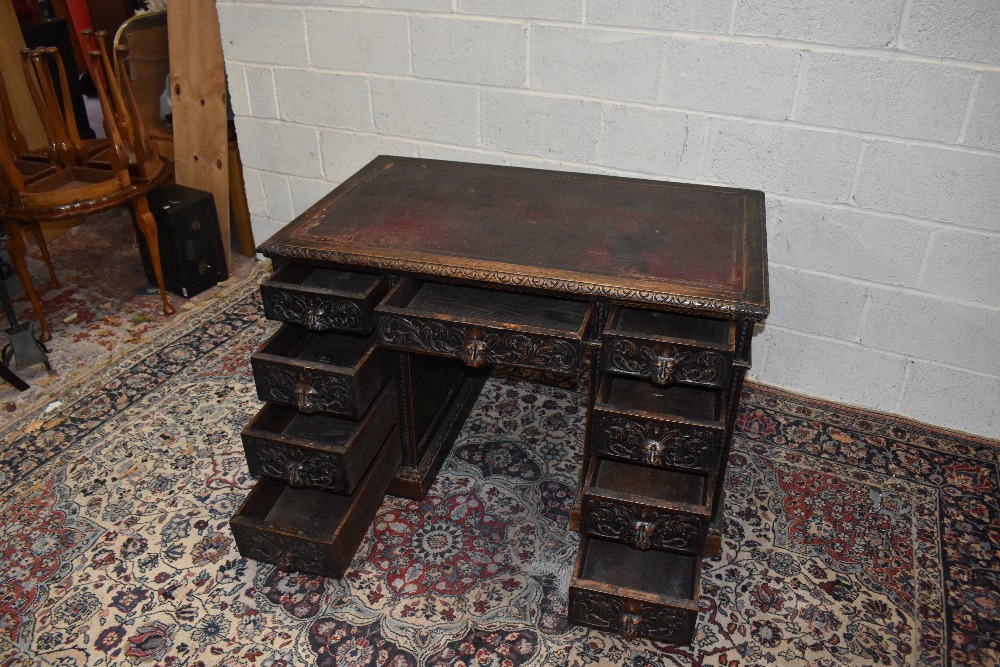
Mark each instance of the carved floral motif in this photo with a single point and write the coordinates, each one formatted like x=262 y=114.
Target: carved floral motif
x=316 y=312
x=305 y=391
x=476 y=346
x=656 y=443
x=289 y=554
x=644 y=528
x=664 y=363
x=631 y=619
x=315 y=469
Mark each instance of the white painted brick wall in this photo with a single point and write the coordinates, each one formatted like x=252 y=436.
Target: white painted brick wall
x=872 y=125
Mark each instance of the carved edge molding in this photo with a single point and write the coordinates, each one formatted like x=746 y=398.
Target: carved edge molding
x=709 y=305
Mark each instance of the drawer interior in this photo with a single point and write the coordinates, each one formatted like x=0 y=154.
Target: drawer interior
x=494 y=308
x=690 y=403
x=660 y=572
x=303 y=511
x=320 y=348
x=348 y=283
x=322 y=429
x=654 y=325
x=669 y=485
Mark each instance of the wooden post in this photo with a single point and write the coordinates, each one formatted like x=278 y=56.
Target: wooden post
x=198 y=89
x=11 y=43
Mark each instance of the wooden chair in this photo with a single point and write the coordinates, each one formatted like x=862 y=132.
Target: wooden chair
x=73 y=189
x=65 y=148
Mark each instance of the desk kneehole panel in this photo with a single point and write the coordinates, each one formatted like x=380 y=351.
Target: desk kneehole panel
x=669 y=348
x=483 y=327
x=323 y=299
x=309 y=530
x=318 y=451
x=651 y=594
x=324 y=373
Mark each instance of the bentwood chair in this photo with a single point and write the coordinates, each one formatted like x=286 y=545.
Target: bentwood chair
x=72 y=189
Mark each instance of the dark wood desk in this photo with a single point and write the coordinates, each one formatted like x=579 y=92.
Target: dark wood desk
x=403 y=286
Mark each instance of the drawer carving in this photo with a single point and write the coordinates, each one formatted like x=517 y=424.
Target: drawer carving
x=477 y=346
x=664 y=363
x=288 y=554
x=631 y=618
x=644 y=528
x=315 y=312
x=656 y=443
x=307 y=392
x=316 y=469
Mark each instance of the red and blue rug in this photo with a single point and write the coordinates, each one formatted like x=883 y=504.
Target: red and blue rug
x=853 y=538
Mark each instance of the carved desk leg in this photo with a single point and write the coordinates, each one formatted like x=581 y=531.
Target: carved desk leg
x=592 y=359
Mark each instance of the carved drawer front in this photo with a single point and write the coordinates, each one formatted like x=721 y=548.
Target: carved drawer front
x=483 y=327
x=669 y=348
x=323 y=299
x=647 y=508
x=666 y=427
x=322 y=373
x=309 y=530
x=318 y=451
x=651 y=594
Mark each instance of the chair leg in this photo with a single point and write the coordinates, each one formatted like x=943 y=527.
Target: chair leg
x=147 y=225
x=36 y=231
x=17 y=245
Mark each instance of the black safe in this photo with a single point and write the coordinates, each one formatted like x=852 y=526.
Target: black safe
x=191 y=252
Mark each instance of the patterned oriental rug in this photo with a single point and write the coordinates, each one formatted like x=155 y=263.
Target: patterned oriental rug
x=853 y=538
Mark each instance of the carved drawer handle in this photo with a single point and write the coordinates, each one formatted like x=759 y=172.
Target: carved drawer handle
x=474 y=350
x=641 y=537
x=652 y=452
x=662 y=370
x=304 y=392
x=285 y=563
x=294 y=471
x=314 y=313
x=630 y=626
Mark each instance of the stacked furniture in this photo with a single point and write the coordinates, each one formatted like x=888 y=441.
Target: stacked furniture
x=405 y=285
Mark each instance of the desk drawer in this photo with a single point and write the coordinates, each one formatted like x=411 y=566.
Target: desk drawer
x=646 y=508
x=669 y=348
x=651 y=594
x=323 y=299
x=324 y=373
x=484 y=327
x=318 y=451
x=672 y=427
x=310 y=530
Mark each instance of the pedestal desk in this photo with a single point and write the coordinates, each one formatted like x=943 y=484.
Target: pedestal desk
x=402 y=288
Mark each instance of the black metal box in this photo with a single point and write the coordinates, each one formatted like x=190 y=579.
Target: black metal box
x=191 y=251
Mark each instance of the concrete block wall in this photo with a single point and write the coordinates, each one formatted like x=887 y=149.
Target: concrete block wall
x=872 y=125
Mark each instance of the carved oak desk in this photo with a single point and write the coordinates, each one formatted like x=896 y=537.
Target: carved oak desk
x=402 y=286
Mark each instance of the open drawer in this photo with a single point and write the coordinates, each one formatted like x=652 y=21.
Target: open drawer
x=652 y=594
x=323 y=373
x=310 y=530
x=484 y=327
x=318 y=451
x=668 y=348
x=323 y=299
x=667 y=427
x=647 y=508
